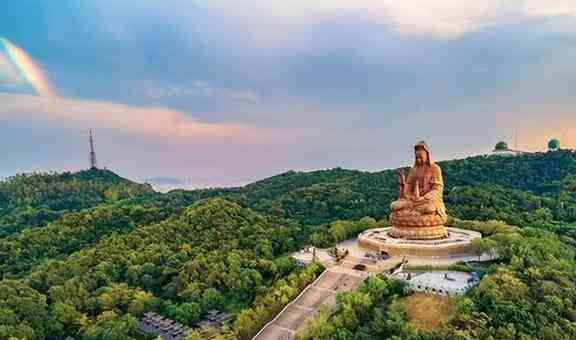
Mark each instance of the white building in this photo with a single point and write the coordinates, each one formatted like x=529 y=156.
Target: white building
x=441 y=283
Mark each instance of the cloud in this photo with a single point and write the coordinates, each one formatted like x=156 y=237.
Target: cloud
x=155 y=122
x=354 y=82
x=440 y=18
x=256 y=28
x=267 y=20
x=549 y=7
x=201 y=89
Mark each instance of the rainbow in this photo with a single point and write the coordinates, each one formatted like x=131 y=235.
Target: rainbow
x=28 y=69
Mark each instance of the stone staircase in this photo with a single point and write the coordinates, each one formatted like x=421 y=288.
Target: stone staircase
x=323 y=291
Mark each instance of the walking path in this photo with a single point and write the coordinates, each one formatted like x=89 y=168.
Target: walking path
x=321 y=292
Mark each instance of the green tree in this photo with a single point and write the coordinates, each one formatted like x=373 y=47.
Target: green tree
x=554 y=144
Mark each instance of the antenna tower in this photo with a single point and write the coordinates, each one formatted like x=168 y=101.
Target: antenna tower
x=93 y=163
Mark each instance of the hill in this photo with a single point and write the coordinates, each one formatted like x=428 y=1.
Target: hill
x=214 y=254
x=32 y=200
x=541 y=185
x=528 y=189
x=85 y=254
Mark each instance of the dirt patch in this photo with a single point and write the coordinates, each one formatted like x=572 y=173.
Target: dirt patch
x=428 y=311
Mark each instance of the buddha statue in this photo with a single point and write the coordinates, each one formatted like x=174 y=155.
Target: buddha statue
x=419 y=212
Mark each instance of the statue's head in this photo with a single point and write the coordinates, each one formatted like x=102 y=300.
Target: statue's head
x=422 y=154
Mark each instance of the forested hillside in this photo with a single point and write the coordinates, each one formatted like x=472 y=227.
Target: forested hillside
x=85 y=254
x=213 y=255
x=32 y=200
x=528 y=294
x=527 y=189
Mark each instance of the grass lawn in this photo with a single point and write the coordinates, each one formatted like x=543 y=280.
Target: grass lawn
x=428 y=311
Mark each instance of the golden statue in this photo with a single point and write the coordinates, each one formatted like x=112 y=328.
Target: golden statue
x=419 y=212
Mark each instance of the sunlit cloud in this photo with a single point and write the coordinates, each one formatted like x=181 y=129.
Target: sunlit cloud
x=156 y=122
x=440 y=18
x=28 y=69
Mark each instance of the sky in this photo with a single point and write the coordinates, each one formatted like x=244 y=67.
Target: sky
x=203 y=93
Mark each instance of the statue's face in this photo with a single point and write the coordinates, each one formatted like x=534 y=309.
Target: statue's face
x=421 y=157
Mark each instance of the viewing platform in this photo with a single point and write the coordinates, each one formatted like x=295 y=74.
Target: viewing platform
x=457 y=242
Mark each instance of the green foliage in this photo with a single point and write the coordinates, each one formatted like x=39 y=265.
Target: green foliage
x=85 y=254
x=529 y=189
x=501 y=146
x=530 y=294
x=486 y=228
x=213 y=255
x=369 y=313
x=111 y=326
x=72 y=232
x=266 y=306
x=337 y=254
x=554 y=144
x=33 y=200
x=162 y=259
x=186 y=313
x=24 y=312
x=327 y=235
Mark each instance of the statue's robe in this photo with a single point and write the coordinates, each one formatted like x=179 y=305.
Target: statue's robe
x=431 y=187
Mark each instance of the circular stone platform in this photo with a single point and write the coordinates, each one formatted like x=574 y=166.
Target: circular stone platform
x=458 y=242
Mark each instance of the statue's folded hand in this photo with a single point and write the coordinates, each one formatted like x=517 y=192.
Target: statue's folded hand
x=401 y=204
x=421 y=201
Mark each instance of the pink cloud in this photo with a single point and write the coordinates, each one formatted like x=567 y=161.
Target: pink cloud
x=153 y=122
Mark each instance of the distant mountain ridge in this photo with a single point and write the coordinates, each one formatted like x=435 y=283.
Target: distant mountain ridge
x=310 y=197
